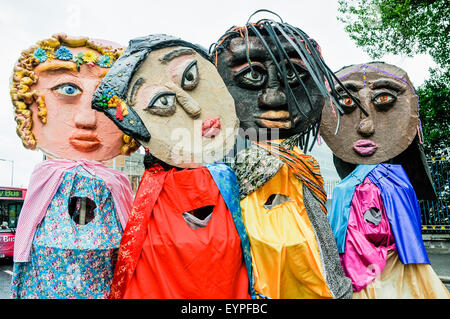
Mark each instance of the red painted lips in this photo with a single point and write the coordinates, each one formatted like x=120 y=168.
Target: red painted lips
x=85 y=142
x=365 y=147
x=211 y=127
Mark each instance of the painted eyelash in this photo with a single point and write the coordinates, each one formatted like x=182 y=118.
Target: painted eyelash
x=248 y=68
x=159 y=95
x=354 y=98
x=188 y=68
x=67 y=83
x=377 y=94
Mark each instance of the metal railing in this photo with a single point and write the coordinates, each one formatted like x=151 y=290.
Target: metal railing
x=435 y=214
x=329 y=186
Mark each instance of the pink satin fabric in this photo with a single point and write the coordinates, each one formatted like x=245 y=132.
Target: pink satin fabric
x=366 y=244
x=44 y=183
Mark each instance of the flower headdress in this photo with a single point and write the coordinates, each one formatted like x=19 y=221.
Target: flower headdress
x=56 y=47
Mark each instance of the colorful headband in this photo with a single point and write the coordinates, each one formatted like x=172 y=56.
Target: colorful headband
x=63 y=53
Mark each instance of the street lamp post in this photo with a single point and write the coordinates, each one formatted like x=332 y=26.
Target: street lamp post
x=12 y=170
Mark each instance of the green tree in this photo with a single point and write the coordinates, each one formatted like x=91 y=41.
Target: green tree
x=399 y=27
x=435 y=113
x=410 y=27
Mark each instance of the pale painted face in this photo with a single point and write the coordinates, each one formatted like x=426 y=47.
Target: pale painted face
x=73 y=129
x=185 y=106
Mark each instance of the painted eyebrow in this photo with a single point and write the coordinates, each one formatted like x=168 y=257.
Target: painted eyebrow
x=258 y=51
x=388 y=83
x=64 y=66
x=240 y=54
x=176 y=53
x=134 y=89
x=56 y=67
x=351 y=86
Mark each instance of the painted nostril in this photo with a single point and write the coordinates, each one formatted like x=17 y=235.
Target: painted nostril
x=85 y=119
x=366 y=127
x=272 y=97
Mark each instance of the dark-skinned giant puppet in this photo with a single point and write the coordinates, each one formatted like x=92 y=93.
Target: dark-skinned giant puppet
x=75 y=209
x=278 y=79
x=179 y=108
x=375 y=214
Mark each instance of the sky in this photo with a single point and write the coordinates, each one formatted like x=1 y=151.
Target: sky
x=24 y=22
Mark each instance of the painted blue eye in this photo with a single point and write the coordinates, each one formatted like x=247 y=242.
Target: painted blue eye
x=69 y=89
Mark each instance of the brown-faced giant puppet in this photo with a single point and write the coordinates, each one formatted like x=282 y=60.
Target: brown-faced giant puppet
x=375 y=215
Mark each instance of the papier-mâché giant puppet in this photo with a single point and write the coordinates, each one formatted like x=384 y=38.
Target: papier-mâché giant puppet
x=76 y=208
x=185 y=237
x=375 y=214
x=278 y=79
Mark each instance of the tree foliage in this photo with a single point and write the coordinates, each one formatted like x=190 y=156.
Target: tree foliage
x=399 y=27
x=434 y=97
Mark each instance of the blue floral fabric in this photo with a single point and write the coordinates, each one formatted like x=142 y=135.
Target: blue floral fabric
x=226 y=181
x=69 y=260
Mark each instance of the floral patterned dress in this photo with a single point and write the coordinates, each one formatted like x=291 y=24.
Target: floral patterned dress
x=69 y=260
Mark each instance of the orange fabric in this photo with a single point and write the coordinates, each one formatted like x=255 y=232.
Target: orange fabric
x=285 y=253
x=304 y=167
x=178 y=262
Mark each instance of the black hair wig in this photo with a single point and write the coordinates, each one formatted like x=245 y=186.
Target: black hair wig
x=307 y=50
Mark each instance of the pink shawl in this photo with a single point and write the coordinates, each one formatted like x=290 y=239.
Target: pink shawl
x=44 y=182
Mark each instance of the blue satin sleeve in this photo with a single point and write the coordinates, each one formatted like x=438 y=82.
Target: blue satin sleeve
x=226 y=181
x=402 y=210
x=341 y=201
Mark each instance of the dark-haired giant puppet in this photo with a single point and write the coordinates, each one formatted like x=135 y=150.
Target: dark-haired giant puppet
x=277 y=78
x=375 y=214
x=185 y=237
x=75 y=210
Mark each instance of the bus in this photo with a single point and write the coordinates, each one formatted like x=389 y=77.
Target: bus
x=11 y=202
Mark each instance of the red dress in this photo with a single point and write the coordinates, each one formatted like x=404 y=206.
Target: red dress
x=179 y=262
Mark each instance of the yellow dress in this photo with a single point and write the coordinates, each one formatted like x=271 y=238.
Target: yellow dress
x=285 y=253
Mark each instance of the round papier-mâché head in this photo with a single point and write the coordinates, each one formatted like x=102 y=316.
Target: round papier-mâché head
x=388 y=96
x=277 y=77
x=175 y=102
x=51 y=90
